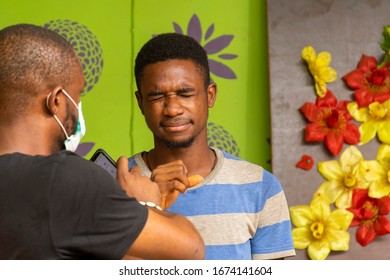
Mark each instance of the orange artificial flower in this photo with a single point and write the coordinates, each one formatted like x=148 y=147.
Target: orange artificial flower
x=330 y=122
x=369 y=82
x=371 y=215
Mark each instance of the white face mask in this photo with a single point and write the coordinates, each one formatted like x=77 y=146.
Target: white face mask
x=73 y=140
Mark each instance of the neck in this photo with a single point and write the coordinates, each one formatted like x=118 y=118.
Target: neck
x=26 y=136
x=198 y=160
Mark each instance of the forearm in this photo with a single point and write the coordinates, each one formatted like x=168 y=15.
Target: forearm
x=168 y=236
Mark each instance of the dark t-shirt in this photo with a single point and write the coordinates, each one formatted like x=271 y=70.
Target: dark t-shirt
x=64 y=207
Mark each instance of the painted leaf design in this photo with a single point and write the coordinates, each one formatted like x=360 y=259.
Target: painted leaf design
x=194 y=29
x=218 y=44
x=177 y=28
x=227 y=56
x=209 y=32
x=84 y=148
x=221 y=70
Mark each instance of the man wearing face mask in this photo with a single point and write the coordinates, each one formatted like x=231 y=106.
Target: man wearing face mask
x=53 y=203
x=72 y=141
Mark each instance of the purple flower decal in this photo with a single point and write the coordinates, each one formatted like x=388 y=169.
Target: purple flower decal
x=84 y=148
x=212 y=46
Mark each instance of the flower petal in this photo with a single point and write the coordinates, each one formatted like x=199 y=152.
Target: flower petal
x=365 y=235
x=315 y=132
x=318 y=250
x=340 y=219
x=331 y=189
x=323 y=59
x=320 y=207
x=334 y=142
x=359 y=115
x=373 y=170
x=383 y=155
x=194 y=28
x=338 y=239
x=384 y=132
x=350 y=157
x=301 y=237
x=367 y=131
x=308 y=54
x=218 y=44
x=331 y=170
x=351 y=134
x=379 y=189
x=328 y=74
x=345 y=199
x=301 y=215
x=382 y=225
x=310 y=110
x=221 y=70
x=306 y=162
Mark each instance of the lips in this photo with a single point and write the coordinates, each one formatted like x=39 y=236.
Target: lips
x=176 y=126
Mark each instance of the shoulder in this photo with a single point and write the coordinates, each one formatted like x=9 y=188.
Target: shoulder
x=240 y=171
x=240 y=168
x=78 y=172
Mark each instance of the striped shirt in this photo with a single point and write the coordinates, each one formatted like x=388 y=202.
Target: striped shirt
x=239 y=209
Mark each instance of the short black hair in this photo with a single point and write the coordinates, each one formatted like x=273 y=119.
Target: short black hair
x=32 y=57
x=168 y=46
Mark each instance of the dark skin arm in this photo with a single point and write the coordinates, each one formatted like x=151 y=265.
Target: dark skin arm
x=165 y=235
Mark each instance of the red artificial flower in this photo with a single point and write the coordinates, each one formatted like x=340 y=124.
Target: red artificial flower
x=306 y=162
x=370 y=214
x=329 y=122
x=369 y=83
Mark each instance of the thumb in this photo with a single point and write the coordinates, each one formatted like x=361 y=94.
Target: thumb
x=194 y=180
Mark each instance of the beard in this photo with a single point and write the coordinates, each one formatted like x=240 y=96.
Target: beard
x=177 y=144
x=70 y=121
x=70 y=124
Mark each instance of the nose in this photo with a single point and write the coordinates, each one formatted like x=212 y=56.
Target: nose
x=172 y=106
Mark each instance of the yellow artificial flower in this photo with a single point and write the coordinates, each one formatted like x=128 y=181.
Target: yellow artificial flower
x=375 y=119
x=378 y=172
x=319 y=68
x=319 y=229
x=343 y=176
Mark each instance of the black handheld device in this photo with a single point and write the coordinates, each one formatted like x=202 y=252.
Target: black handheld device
x=101 y=158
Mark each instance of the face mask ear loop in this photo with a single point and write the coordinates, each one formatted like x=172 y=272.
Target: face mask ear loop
x=71 y=99
x=56 y=118
x=63 y=128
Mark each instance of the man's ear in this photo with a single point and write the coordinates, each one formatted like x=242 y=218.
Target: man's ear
x=138 y=95
x=53 y=101
x=211 y=95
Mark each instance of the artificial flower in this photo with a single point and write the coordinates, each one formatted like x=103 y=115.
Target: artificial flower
x=375 y=120
x=319 y=229
x=343 y=177
x=370 y=214
x=330 y=122
x=369 y=82
x=378 y=173
x=306 y=162
x=319 y=68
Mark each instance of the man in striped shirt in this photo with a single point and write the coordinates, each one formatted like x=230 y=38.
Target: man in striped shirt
x=239 y=208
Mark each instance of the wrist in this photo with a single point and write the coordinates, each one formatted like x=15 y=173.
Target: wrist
x=150 y=204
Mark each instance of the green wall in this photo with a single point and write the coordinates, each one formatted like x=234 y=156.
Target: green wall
x=115 y=30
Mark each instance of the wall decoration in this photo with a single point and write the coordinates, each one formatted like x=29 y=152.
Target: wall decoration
x=212 y=46
x=86 y=45
x=353 y=179
x=353 y=185
x=218 y=137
